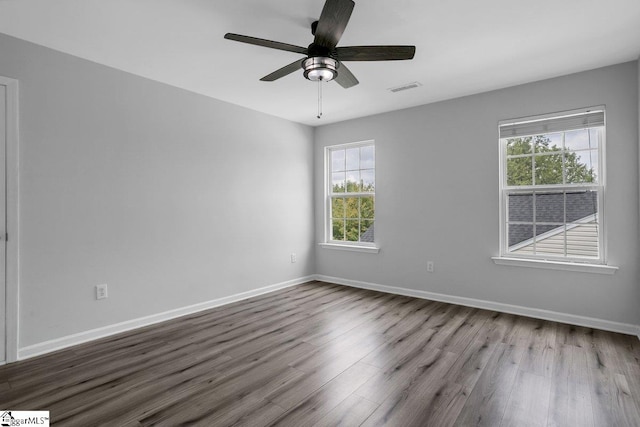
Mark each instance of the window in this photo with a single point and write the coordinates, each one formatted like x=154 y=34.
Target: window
x=552 y=186
x=351 y=194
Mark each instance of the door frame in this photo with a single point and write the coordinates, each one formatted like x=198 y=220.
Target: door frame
x=12 y=263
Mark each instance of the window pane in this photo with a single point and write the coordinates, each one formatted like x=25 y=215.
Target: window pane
x=367 y=157
x=543 y=229
x=366 y=231
x=366 y=207
x=548 y=169
x=520 y=207
x=581 y=205
x=368 y=177
x=337 y=208
x=548 y=143
x=519 y=233
x=353 y=182
x=580 y=166
x=594 y=134
x=582 y=139
x=352 y=230
x=550 y=240
x=550 y=207
x=337 y=227
x=517 y=146
x=337 y=182
x=337 y=160
x=519 y=171
x=582 y=240
x=352 y=207
x=353 y=158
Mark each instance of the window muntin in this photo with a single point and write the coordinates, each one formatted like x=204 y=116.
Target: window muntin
x=351 y=193
x=552 y=187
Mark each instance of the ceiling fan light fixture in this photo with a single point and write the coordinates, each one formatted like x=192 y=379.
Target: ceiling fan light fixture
x=320 y=68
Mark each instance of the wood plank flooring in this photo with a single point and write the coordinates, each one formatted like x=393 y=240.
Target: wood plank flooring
x=320 y=354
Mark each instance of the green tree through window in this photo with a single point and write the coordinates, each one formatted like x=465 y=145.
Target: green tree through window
x=549 y=160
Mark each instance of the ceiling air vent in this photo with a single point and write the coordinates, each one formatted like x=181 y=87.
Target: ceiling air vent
x=407 y=86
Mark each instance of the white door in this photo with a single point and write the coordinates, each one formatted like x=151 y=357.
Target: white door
x=3 y=222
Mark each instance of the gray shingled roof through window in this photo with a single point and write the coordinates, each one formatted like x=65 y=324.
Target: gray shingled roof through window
x=549 y=208
x=367 y=236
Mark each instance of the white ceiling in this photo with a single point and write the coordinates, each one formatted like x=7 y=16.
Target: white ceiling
x=462 y=46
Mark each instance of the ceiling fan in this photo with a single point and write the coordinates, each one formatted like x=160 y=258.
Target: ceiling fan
x=324 y=60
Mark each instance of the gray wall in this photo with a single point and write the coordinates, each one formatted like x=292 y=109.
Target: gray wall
x=437 y=198
x=169 y=197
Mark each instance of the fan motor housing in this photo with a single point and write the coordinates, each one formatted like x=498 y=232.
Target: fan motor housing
x=321 y=68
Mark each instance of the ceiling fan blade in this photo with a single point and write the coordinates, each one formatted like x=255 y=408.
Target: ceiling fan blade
x=333 y=20
x=345 y=77
x=266 y=43
x=284 y=71
x=375 y=53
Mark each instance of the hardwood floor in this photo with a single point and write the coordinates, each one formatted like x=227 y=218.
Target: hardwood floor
x=320 y=354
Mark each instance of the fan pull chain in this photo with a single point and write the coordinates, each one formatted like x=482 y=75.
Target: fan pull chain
x=319 y=98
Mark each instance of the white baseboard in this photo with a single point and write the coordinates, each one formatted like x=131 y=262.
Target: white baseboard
x=93 y=334
x=537 y=313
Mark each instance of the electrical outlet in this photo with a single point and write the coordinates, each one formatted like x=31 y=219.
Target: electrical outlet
x=293 y=258
x=430 y=266
x=101 y=291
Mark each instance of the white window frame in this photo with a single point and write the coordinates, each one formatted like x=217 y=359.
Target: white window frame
x=548 y=261
x=328 y=194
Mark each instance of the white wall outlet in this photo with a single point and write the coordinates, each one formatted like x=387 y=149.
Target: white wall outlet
x=294 y=258
x=430 y=266
x=101 y=291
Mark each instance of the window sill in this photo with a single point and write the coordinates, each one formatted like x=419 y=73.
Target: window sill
x=556 y=265
x=353 y=248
